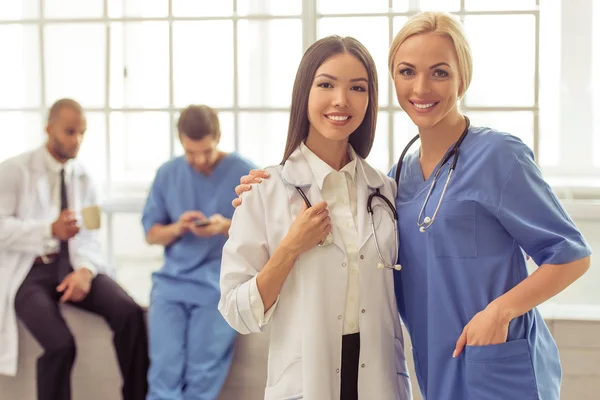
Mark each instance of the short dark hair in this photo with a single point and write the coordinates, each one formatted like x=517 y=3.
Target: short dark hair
x=198 y=121
x=63 y=103
x=363 y=137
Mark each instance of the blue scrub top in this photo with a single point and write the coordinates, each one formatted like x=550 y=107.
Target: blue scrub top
x=497 y=206
x=192 y=264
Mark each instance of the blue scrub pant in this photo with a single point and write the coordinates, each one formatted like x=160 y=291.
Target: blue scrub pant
x=191 y=348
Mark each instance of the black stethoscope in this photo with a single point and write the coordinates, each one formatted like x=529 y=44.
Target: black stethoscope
x=376 y=194
x=454 y=152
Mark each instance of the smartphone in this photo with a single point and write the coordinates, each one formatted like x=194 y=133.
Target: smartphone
x=200 y=223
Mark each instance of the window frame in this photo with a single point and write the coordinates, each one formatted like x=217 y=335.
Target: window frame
x=309 y=18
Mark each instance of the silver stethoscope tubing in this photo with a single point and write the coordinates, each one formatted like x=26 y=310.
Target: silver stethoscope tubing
x=384 y=263
x=375 y=194
x=453 y=153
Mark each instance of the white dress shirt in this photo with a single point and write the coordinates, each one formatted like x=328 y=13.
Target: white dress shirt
x=53 y=168
x=339 y=191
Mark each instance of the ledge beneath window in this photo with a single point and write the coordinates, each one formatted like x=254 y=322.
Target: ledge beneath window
x=577 y=208
x=130 y=204
x=570 y=312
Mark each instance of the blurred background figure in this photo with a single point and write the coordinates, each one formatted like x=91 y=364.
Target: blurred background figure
x=48 y=258
x=188 y=211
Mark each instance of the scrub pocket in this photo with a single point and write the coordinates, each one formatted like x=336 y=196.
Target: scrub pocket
x=454 y=230
x=500 y=371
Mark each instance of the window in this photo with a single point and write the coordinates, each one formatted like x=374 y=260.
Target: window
x=139 y=65
x=269 y=52
x=73 y=8
x=20 y=80
x=134 y=64
x=568 y=44
x=203 y=69
x=74 y=63
x=502 y=93
x=21 y=130
x=596 y=82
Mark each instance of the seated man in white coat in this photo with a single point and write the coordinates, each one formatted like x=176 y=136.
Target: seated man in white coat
x=46 y=258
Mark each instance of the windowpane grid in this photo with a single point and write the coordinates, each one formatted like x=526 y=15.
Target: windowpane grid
x=138 y=75
x=596 y=83
x=20 y=72
x=117 y=92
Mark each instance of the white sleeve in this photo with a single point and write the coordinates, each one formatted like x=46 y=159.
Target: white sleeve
x=258 y=307
x=244 y=255
x=89 y=266
x=51 y=244
x=16 y=234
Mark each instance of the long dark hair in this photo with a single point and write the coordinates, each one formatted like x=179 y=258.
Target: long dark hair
x=319 y=52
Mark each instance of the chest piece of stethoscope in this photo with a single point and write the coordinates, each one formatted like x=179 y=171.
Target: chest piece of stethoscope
x=426 y=221
x=397 y=267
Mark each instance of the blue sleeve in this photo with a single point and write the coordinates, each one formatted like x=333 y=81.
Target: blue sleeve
x=392 y=173
x=155 y=209
x=242 y=167
x=533 y=215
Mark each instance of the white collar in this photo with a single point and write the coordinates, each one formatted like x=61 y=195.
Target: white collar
x=296 y=172
x=54 y=166
x=321 y=169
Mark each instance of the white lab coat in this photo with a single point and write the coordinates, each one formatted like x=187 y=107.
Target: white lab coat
x=25 y=199
x=307 y=321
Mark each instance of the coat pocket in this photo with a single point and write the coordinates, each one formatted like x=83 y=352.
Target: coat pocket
x=500 y=371
x=286 y=383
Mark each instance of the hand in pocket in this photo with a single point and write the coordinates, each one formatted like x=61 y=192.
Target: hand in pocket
x=489 y=326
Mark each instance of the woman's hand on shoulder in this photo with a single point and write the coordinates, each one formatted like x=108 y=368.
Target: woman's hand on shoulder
x=255 y=176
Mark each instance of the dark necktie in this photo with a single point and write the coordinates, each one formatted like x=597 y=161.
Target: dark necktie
x=64 y=265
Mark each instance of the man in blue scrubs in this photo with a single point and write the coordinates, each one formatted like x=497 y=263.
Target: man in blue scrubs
x=189 y=211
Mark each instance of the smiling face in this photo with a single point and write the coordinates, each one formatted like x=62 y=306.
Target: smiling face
x=427 y=79
x=338 y=97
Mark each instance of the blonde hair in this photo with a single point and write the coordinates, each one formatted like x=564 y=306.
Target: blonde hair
x=444 y=24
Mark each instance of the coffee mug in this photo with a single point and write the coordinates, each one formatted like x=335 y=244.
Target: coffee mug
x=91 y=216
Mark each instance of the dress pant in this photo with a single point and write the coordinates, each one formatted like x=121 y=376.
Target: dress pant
x=36 y=305
x=350 y=357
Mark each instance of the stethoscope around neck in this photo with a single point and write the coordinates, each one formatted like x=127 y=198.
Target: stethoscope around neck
x=426 y=222
x=370 y=209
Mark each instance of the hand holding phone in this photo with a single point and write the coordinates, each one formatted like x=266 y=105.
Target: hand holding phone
x=216 y=224
x=187 y=221
x=201 y=223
